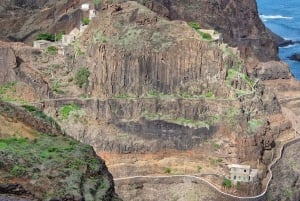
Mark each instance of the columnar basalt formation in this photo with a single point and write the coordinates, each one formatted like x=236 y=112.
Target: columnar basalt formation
x=157 y=86
x=238 y=21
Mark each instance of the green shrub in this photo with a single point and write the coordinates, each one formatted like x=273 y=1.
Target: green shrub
x=38 y=113
x=86 y=21
x=209 y=94
x=29 y=108
x=238 y=185
x=194 y=25
x=167 y=170
x=8 y=87
x=50 y=37
x=216 y=146
x=18 y=171
x=46 y=36
x=66 y=110
x=81 y=77
x=254 y=125
x=226 y=183
x=52 y=50
x=288 y=193
x=205 y=36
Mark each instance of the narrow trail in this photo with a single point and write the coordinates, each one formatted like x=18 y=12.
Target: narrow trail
x=259 y=197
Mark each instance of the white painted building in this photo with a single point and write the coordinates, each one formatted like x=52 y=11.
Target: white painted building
x=71 y=37
x=242 y=173
x=85 y=7
x=92 y=14
x=42 y=44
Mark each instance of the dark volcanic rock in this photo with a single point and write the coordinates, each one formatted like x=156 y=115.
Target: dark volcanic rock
x=295 y=57
x=285 y=184
x=15 y=189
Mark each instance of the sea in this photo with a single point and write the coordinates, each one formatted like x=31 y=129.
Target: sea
x=283 y=18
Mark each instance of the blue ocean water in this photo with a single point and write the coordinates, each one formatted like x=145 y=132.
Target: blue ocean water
x=283 y=18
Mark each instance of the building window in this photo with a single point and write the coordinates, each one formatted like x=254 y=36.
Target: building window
x=244 y=170
x=234 y=177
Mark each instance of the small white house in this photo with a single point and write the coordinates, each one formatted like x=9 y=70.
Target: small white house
x=242 y=173
x=85 y=7
x=69 y=38
x=82 y=28
x=42 y=44
x=92 y=14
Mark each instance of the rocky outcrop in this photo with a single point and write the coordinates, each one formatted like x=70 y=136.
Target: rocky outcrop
x=48 y=165
x=287 y=168
x=272 y=70
x=16 y=65
x=295 y=57
x=238 y=21
x=154 y=88
x=30 y=17
x=145 y=53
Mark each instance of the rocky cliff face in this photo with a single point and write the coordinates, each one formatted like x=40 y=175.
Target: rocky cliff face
x=156 y=89
x=287 y=168
x=40 y=166
x=238 y=21
x=26 y=19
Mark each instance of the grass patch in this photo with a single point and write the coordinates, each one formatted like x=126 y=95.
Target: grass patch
x=254 y=125
x=194 y=25
x=38 y=113
x=231 y=117
x=215 y=161
x=205 y=36
x=51 y=158
x=56 y=87
x=66 y=110
x=7 y=91
x=50 y=37
x=81 y=77
x=226 y=183
x=71 y=110
x=86 y=21
x=52 y=50
x=216 y=146
x=167 y=170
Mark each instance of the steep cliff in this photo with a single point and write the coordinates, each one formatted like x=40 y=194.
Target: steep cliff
x=238 y=21
x=39 y=163
x=24 y=20
x=157 y=89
